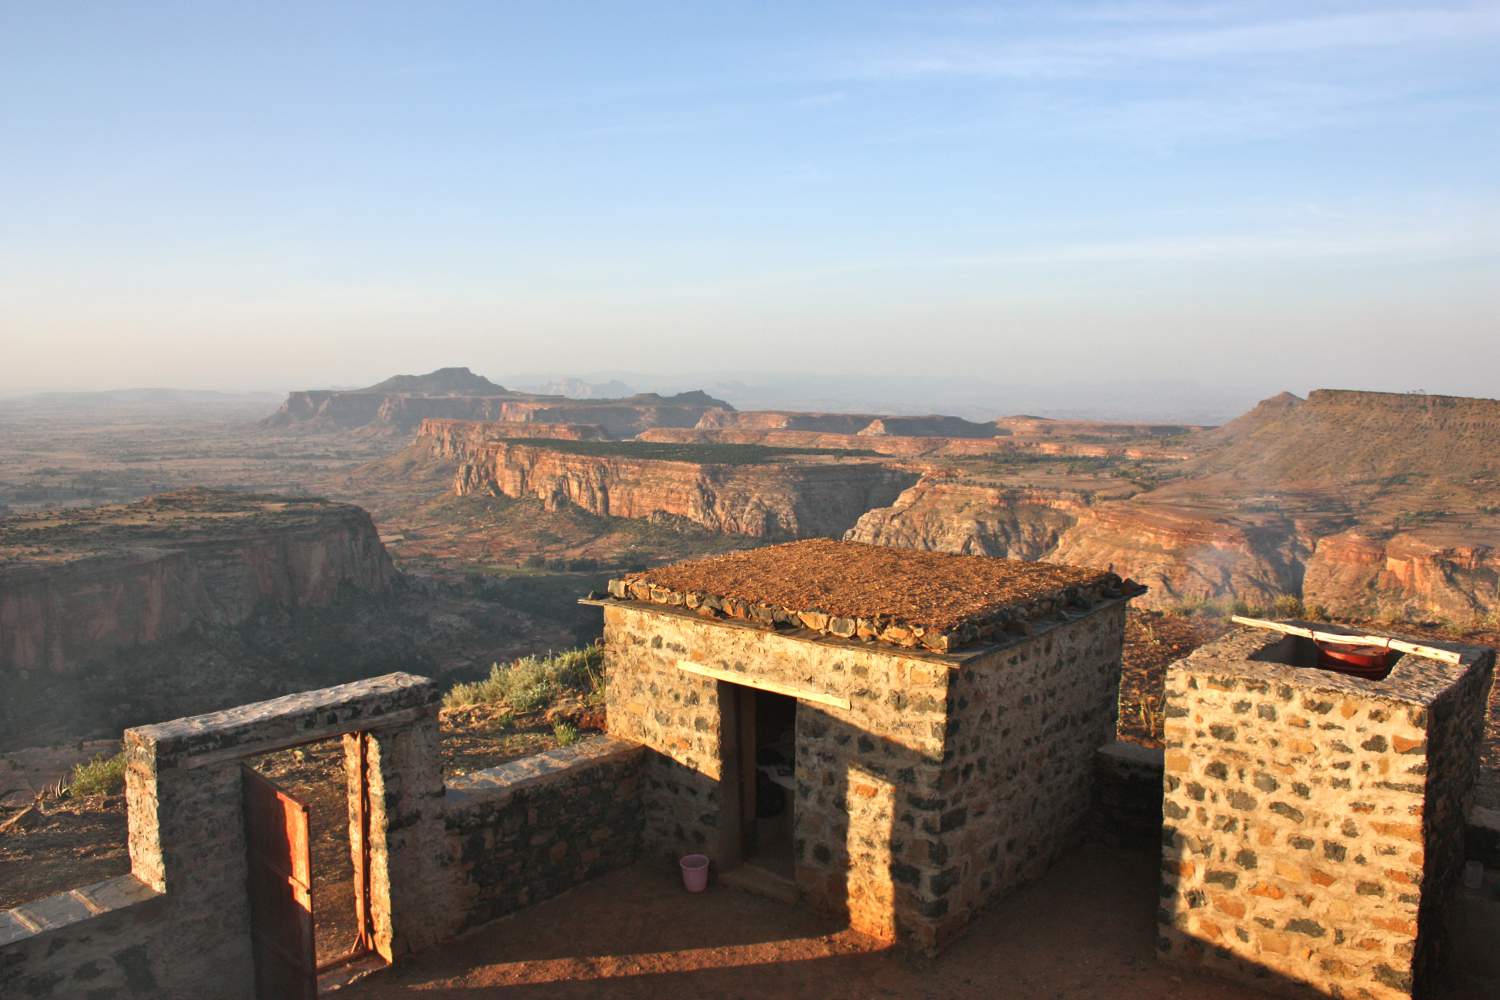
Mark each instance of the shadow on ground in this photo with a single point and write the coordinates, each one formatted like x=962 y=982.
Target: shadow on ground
x=1084 y=931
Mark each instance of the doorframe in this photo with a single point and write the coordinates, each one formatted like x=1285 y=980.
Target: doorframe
x=358 y=809
x=737 y=770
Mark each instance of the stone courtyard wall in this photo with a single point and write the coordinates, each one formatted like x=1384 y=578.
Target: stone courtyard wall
x=532 y=828
x=1314 y=823
x=1126 y=810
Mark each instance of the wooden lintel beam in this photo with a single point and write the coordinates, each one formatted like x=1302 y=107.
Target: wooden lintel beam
x=761 y=684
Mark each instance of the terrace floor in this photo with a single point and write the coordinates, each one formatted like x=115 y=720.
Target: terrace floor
x=1084 y=931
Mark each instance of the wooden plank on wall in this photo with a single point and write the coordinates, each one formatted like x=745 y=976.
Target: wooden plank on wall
x=1352 y=639
x=761 y=684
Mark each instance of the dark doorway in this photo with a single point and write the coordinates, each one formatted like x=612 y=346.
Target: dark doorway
x=767 y=744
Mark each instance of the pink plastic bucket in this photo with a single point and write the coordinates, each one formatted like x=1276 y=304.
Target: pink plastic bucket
x=695 y=872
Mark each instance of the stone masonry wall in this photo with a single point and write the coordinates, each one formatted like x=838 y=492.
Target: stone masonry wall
x=858 y=771
x=179 y=925
x=1314 y=822
x=1126 y=810
x=532 y=828
x=1024 y=725
x=946 y=782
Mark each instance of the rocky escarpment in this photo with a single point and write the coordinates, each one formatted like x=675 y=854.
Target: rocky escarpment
x=736 y=491
x=1186 y=555
x=945 y=514
x=457 y=440
x=402 y=403
x=80 y=584
x=1363 y=503
x=870 y=424
x=915 y=446
x=1358 y=439
x=1453 y=574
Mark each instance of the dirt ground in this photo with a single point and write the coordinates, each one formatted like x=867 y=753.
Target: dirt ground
x=1153 y=640
x=1085 y=932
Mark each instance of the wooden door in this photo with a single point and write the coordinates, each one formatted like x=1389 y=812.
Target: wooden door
x=279 y=842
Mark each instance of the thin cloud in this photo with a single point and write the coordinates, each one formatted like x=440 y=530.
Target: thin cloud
x=1067 y=57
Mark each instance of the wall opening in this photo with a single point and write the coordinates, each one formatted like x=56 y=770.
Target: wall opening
x=765 y=738
x=331 y=789
x=1369 y=662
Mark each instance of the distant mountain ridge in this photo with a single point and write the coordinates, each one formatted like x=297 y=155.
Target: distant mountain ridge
x=402 y=402
x=440 y=382
x=1345 y=435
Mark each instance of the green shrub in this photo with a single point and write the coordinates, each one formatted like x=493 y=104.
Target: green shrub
x=1288 y=606
x=100 y=776
x=566 y=733
x=534 y=682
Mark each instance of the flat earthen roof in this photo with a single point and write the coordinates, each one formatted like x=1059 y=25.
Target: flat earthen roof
x=907 y=597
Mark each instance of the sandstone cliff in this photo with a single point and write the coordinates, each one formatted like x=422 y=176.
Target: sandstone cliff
x=945 y=514
x=1449 y=573
x=914 y=446
x=1364 y=503
x=769 y=497
x=456 y=440
x=76 y=585
x=871 y=424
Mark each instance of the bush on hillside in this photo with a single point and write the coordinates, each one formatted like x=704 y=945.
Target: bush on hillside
x=100 y=776
x=533 y=682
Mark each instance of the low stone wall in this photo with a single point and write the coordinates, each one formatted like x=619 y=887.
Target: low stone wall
x=530 y=829
x=1126 y=808
x=86 y=942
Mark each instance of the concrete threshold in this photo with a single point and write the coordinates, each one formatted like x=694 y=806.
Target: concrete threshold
x=758 y=881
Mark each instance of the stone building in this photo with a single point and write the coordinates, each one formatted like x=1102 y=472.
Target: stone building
x=1314 y=821
x=896 y=735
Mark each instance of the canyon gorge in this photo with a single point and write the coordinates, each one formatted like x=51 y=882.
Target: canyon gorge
x=1360 y=503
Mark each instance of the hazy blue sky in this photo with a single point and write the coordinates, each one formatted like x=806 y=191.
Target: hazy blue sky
x=273 y=195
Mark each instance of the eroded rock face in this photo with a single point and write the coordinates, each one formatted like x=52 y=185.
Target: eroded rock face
x=869 y=424
x=456 y=440
x=79 y=584
x=1187 y=555
x=950 y=515
x=1365 y=503
x=1405 y=574
x=799 y=498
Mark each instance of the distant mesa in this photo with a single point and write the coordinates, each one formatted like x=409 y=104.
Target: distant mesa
x=1345 y=435
x=441 y=382
x=79 y=583
x=400 y=404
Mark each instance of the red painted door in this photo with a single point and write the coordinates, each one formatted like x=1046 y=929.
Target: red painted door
x=281 y=918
